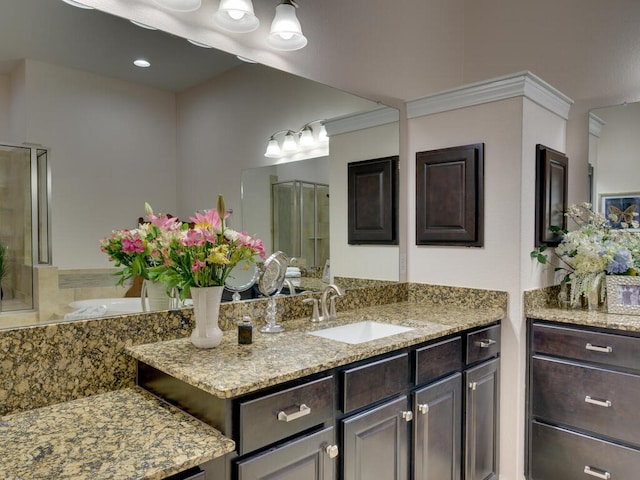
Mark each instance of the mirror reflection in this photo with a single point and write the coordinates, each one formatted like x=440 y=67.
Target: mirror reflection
x=174 y=135
x=613 y=154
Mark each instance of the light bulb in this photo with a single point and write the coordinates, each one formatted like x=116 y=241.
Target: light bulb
x=273 y=149
x=235 y=14
x=286 y=35
x=289 y=144
x=306 y=137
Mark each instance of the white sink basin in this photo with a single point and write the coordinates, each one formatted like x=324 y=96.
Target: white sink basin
x=361 y=332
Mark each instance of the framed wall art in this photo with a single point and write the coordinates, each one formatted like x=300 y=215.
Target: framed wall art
x=372 y=194
x=623 y=206
x=551 y=195
x=450 y=196
x=623 y=294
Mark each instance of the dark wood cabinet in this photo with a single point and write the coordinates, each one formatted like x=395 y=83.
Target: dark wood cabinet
x=481 y=421
x=311 y=457
x=437 y=431
x=583 y=393
x=375 y=442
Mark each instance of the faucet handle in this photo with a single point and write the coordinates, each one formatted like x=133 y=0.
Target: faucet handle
x=315 y=315
x=332 y=307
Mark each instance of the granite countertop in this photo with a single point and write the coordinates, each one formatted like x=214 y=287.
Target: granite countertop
x=628 y=323
x=231 y=370
x=125 y=434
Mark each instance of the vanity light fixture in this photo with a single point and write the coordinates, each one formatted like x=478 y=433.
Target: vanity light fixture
x=286 y=32
x=236 y=16
x=78 y=4
x=142 y=63
x=180 y=5
x=309 y=142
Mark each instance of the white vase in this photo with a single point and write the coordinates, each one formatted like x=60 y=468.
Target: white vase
x=156 y=294
x=206 y=306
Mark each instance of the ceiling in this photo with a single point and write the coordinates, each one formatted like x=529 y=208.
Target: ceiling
x=54 y=32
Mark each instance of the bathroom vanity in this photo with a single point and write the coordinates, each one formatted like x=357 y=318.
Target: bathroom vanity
x=584 y=379
x=421 y=404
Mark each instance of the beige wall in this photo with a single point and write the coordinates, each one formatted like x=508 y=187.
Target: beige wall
x=112 y=147
x=5 y=103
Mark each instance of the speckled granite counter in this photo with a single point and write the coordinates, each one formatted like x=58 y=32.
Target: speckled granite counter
x=126 y=434
x=628 y=323
x=231 y=370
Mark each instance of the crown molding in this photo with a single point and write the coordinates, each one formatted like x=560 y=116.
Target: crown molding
x=360 y=121
x=595 y=125
x=522 y=84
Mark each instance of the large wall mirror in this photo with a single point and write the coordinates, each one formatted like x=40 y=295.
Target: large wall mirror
x=193 y=125
x=614 y=147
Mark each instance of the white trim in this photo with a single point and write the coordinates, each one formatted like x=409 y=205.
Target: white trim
x=360 y=121
x=595 y=125
x=522 y=84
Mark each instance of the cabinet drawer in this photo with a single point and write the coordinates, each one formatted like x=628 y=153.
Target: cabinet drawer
x=438 y=360
x=561 y=454
x=588 y=398
x=375 y=381
x=605 y=348
x=483 y=344
x=273 y=417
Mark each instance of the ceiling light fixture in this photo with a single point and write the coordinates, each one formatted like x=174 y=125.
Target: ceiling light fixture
x=245 y=59
x=309 y=142
x=142 y=25
x=198 y=44
x=180 y=5
x=286 y=33
x=142 y=63
x=236 y=16
x=78 y=4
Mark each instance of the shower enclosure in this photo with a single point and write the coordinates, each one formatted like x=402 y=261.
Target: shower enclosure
x=300 y=221
x=24 y=222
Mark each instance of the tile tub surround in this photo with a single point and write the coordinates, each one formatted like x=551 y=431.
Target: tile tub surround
x=231 y=370
x=52 y=363
x=127 y=434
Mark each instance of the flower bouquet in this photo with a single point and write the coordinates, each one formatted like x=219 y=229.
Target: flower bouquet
x=594 y=250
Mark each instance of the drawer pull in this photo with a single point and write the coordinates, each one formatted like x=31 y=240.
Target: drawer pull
x=596 y=348
x=596 y=473
x=407 y=416
x=473 y=386
x=423 y=408
x=600 y=403
x=288 y=417
x=486 y=343
x=332 y=451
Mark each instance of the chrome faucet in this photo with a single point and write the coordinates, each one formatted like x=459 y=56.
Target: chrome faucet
x=328 y=312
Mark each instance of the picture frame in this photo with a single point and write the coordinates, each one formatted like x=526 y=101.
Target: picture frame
x=621 y=204
x=450 y=196
x=551 y=195
x=372 y=201
x=623 y=294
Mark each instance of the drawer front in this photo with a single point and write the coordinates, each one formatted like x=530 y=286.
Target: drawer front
x=588 y=398
x=483 y=344
x=273 y=417
x=375 y=381
x=605 y=348
x=557 y=454
x=438 y=360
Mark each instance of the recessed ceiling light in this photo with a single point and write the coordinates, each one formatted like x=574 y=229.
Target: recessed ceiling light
x=142 y=25
x=198 y=44
x=142 y=63
x=245 y=59
x=180 y=5
x=78 y=4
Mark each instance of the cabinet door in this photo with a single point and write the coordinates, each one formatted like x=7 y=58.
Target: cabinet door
x=375 y=442
x=481 y=421
x=437 y=430
x=311 y=457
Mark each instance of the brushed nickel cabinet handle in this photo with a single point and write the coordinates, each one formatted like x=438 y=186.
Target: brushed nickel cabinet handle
x=407 y=415
x=288 y=417
x=486 y=343
x=423 y=408
x=596 y=348
x=473 y=385
x=596 y=473
x=332 y=451
x=600 y=403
